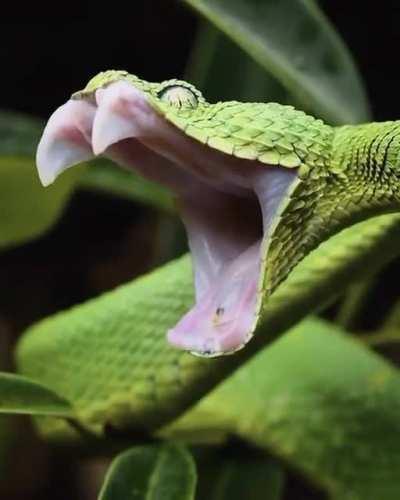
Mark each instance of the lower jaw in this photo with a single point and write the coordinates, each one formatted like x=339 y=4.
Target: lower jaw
x=226 y=311
x=222 y=320
x=225 y=314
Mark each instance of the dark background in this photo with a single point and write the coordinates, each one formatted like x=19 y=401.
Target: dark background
x=42 y=62
x=102 y=241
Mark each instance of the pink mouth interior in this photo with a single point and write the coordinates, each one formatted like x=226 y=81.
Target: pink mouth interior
x=227 y=204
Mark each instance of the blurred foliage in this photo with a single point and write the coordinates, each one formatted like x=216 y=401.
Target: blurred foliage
x=19 y=395
x=164 y=472
x=295 y=43
x=219 y=82
x=325 y=405
x=26 y=210
x=235 y=472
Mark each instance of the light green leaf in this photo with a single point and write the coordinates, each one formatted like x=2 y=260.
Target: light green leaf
x=20 y=395
x=321 y=401
x=26 y=208
x=164 y=472
x=103 y=175
x=296 y=44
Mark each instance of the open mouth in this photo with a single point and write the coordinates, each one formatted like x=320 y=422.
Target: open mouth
x=229 y=205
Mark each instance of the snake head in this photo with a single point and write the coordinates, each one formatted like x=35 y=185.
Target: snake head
x=237 y=171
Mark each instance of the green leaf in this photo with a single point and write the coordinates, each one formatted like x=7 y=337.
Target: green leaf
x=296 y=44
x=237 y=473
x=103 y=175
x=26 y=208
x=321 y=401
x=19 y=134
x=164 y=472
x=20 y=395
x=215 y=64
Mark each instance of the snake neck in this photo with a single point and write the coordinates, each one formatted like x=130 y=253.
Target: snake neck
x=360 y=179
x=365 y=171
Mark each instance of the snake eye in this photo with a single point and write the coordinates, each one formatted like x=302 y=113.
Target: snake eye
x=178 y=96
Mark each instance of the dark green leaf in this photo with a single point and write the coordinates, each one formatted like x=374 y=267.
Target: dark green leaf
x=19 y=134
x=237 y=473
x=251 y=479
x=296 y=44
x=20 y=395
x=164 y=472
x=214 y=67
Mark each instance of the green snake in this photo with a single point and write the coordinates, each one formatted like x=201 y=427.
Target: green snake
x=259 y=186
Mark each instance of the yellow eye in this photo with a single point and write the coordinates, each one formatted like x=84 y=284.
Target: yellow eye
x=178 y=96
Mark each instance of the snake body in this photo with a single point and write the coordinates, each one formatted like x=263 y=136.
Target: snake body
x=109 y=357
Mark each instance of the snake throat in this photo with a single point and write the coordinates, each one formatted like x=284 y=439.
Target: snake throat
x=228 y=205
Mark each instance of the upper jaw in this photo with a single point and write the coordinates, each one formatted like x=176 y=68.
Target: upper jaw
x=66 y=140
x=122 y=112
x=82 y=129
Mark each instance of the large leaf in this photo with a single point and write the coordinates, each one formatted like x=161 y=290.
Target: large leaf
x=26 y=208
x=214 y=66
x=164 y=472
x=323 y=402
x=296 y=44
x=20 y=395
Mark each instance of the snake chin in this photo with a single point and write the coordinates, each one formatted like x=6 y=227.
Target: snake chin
x=228 y=204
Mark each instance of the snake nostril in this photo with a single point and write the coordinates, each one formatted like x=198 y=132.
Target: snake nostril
x=219 y=311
